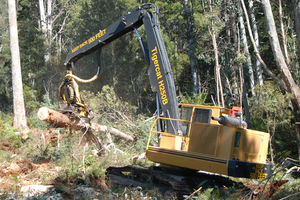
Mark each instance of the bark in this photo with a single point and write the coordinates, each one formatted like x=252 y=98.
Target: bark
x=190 y=34
x=64 y=121
x=256 y=40
x=246 y=49
x=286 y=75
x=18 y=101
x=297 y=23
x=284 y=40
x=257 y=54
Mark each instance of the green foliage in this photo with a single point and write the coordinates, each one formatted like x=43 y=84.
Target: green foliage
x=7 y=132
x=270 y=108
x=32 y=49
x=30 y=99
x=107 y=106
x=199 y=99
x=270 y=112
x=5 y=72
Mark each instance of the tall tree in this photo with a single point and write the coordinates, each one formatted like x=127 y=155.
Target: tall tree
x=286 y=75
x=53 y=16
x=43 y=24
x=283 y=34
x=257 y=53
x=218 y=80
x=18 y=101
x=256 y=39
x=190 y=35
x=49 y=20
x=43 y=17
x=46 y=25
x=246 y=48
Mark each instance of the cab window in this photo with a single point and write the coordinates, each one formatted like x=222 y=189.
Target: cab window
x=202 y=115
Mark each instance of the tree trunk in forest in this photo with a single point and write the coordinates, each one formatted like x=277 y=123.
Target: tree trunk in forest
x=286 y=75
x=49 y=20
x=190 y=35
x=43 y=17
x=243 y=97
x=242 y=89
x=64 y=121
x=18 y=101
x=284 y=40
x=257 y=54
x=236 y=40
x=246 y=49
x=297 y=23
x=258 y=66
x=218 y=80
x=49 y=30
x=46 y=25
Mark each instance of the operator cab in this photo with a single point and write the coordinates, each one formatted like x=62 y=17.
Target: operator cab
x=191 y=113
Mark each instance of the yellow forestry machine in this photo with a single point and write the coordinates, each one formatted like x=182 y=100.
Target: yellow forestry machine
x=184 y=138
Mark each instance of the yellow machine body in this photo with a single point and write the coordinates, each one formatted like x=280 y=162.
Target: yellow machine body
x=209 y=146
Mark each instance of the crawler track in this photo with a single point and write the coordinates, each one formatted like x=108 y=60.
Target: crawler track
x=180 y=181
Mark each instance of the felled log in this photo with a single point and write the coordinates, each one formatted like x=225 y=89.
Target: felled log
x=64 y=121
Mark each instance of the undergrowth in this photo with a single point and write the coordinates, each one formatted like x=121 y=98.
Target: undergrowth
x=7 y=132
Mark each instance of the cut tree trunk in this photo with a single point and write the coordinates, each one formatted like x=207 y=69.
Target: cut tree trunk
x=64 y=121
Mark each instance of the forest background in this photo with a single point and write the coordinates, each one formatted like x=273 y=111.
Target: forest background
x=215 y=61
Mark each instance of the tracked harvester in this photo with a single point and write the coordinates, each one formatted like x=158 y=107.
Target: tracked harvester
x=213 y=140
x=187 y=137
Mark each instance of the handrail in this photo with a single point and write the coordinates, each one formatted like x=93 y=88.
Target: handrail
x=150 y=134
x=164 y=133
